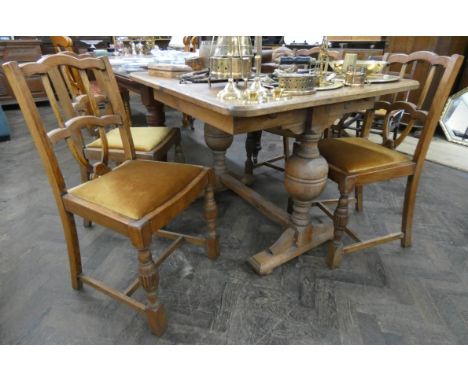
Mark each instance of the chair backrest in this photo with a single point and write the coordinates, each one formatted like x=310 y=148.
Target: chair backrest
x=62 y=43
x=425 y=67
x=333 y=54
x=191 y=43
x=70 y=112
x=443 y=71
x=65 y=44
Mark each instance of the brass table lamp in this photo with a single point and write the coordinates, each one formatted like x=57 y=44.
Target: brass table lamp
x=231 y=58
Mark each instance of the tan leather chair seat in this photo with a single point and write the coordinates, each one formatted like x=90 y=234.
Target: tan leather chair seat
x=355 y=155
x=137 y=187
x=144 y=138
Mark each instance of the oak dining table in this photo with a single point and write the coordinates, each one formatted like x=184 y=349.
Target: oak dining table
x=306 y=170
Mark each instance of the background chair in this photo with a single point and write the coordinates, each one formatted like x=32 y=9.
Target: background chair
x=65 y=44
x=151 y=143
x=355 y=161
x=136 y=199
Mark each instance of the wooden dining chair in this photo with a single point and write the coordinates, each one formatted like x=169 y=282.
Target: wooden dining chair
x=61 y=43
x=136 y=199
x=420 y=68
x=253 y=140
x=151 y=142
x=65 y=44
x=355 y=161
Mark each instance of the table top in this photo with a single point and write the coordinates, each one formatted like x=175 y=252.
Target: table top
x=204 y=96
x=124 y=65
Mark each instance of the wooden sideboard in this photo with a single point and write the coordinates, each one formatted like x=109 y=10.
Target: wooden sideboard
x=443 y=45
x=21 y=51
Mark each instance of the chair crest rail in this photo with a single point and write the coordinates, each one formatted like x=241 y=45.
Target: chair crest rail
x=46 y=63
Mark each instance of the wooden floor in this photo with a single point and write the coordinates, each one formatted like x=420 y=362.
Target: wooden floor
x=386 y=295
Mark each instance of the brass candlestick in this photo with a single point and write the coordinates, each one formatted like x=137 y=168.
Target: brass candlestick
x=256 y=87
x=322 y=63
x=230 y=58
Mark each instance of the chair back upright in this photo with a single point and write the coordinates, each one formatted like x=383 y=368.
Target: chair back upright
x=71 y=113
x=62 y=43
x=419 y=108
x=65 y=44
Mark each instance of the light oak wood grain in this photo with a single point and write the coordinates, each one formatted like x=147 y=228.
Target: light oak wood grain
x=306 y=171
x=204 y=96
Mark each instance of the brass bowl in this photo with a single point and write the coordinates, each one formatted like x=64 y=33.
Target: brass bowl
x=297 y=83
x=372 y=67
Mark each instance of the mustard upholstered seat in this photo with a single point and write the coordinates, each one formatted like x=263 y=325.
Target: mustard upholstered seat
x=144 y=138
x=137 y=187
x=355 y=155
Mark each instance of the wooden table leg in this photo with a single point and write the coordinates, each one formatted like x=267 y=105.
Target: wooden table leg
x=218 y=141
x=305 y=178
x=306 y=173
x=155 y=115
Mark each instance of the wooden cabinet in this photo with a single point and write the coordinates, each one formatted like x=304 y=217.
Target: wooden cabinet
x=355 y=38
x=21 y=51
x=443 y=45
x=363 y=46
x=78 y=45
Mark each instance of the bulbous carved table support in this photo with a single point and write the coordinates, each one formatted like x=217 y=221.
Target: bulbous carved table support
x=305 y=178
x=218 y=141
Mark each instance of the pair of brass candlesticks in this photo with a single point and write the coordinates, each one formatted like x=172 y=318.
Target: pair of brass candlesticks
x=231 y=59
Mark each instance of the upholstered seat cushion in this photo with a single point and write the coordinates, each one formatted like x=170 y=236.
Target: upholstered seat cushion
x=137 y=187
x=144 y=138
x=354 y=155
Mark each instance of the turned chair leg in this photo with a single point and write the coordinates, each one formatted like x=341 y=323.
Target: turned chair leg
x=340 y=220
x=179 y=153
x=258 y=145
x=359 y=198
x=149 y=280
x=211 y=212
x=408 y=210
x=252 y=148
x=187 y=121
x=73 y=248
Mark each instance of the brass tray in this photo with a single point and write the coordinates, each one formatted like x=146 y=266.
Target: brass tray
x=298 y=92
x=333 y=86
x=377 y=79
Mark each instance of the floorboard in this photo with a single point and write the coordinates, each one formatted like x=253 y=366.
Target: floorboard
x=384 y=295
